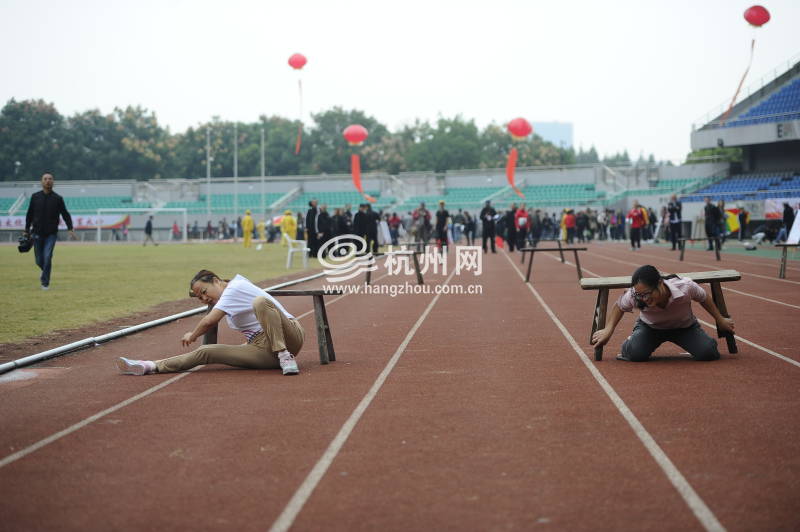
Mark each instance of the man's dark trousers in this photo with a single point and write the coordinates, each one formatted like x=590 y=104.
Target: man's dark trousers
x=43 y=249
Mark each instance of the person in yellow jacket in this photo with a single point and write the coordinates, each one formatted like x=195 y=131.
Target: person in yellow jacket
x=288 y=227
x=261 y=227
x=247 y=229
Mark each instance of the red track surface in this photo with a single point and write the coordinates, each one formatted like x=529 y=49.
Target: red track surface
x=488 y=419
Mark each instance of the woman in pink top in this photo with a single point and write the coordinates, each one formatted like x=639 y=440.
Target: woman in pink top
x=665 y=315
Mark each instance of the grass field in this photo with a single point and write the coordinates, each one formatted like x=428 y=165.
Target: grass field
x=92 y=283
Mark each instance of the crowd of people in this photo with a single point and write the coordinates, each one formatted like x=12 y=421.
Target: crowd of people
x=517 y=226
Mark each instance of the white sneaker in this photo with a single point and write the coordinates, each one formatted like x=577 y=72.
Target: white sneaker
x=128 y=366
x=288 y=364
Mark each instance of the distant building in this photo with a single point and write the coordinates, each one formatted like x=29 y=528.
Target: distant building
x=559 y=133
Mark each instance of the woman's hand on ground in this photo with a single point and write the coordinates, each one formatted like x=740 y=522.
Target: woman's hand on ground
x=187 y=339
x=725 y=325
x=601 y=337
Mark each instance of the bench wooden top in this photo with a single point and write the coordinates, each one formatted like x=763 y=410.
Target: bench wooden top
x=787 y=245
x=552 y=249
x=305 y=292
x=625 y=282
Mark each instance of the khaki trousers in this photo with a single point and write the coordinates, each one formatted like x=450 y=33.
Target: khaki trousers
x=279 y=333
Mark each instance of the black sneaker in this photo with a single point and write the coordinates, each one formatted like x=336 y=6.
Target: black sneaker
x=622 y=357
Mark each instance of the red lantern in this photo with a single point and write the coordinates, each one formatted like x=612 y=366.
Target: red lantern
x=519 y=128
x=757 y=16
x=355 y=134
x=297 y=61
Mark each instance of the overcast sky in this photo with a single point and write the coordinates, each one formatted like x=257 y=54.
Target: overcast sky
x=629 y=75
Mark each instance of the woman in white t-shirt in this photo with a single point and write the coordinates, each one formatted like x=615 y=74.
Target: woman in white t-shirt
x=273 y=335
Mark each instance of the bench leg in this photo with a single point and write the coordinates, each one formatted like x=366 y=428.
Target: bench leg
x=599 y=319
x=782 y=270
x=369 y=276
x=326 y=353
x=210 y=337
x=530 y=267
x=719 y=301
x=578 y=264
x=682 y=244
x=561 y=251
x=416 y=269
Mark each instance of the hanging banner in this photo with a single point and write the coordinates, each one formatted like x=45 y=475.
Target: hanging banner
x=773 y=207
x=105 y=221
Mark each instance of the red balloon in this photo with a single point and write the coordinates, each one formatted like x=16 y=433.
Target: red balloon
x=757 y=15
x=297 y=61
x=519 y=128
x=355 y=134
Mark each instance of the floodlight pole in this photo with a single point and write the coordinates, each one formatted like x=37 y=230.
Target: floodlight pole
x=235 y=172
x=263 y=172
x=208 y=172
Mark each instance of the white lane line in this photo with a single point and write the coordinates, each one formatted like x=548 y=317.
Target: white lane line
x=690 y=496
x=80 y=424
x=745 y=340
x=734 y=257
x=710 y=266
x=724 y=288
x=301 y=496
x=713 y=327
x=760 y=297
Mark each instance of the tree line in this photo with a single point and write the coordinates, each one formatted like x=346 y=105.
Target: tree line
x=129 y=143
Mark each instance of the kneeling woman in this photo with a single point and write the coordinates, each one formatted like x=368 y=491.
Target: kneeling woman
x=273 y=335
x=665 y=315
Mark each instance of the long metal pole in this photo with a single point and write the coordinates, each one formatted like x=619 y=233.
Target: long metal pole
x=235 y=172
x=208 y=174
x=263 y=174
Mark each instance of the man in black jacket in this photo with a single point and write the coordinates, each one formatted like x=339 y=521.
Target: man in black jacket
x=674 y=209
x=487 y=220
x=312 y=228
x=42 y=222
x=325 y=225
x=511 y=229
x=713 y=217
x=373 y=219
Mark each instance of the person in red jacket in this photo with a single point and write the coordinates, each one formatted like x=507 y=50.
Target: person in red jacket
x=522 y=221
x=569 y=223
x=636 y=216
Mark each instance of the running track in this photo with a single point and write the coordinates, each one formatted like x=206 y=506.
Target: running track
x=456 y=412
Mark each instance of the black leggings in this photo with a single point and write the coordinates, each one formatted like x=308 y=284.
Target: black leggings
x=636 y=237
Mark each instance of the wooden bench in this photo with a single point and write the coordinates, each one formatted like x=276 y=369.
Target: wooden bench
x=324 y=339
x=414 y=254
x=556 y=240
x=682 y=245
x=604 y=284
x=782 y=268
x=560 y=250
